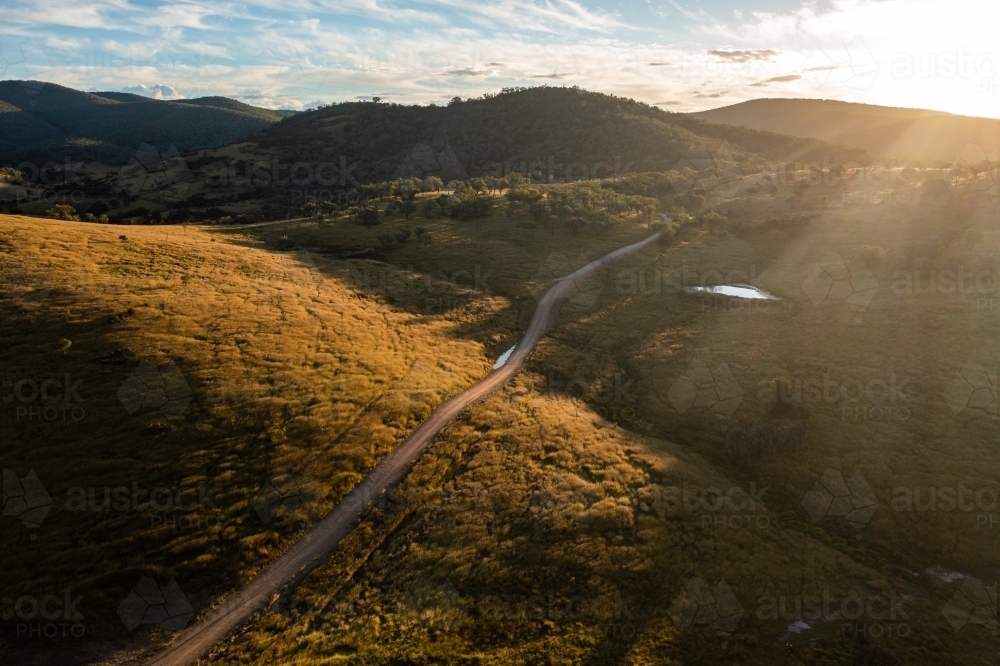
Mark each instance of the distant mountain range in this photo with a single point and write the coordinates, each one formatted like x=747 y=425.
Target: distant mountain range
x=44 y=122
x=906 y=133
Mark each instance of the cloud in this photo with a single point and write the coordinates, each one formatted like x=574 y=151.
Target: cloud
x=551 y=76
x=714 y=95
x=667 y=103
x=777 y=79
x=744 y=56
x=659 y=64
x=468 y=71
x=160 y=91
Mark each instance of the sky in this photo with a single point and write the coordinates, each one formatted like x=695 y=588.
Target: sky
x=682 y=56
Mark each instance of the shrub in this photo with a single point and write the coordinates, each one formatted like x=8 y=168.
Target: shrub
x=368 y=217
x=471 y=208
x=715 y=222
x=428 y=208
x=285 y=243
x=62 y=212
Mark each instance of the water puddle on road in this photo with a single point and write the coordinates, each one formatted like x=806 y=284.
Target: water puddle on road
x=737 y=291
x=503 y=358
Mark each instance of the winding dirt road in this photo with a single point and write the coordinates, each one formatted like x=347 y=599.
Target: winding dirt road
x=317 y=545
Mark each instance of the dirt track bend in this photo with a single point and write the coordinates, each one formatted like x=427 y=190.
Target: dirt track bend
x=317 y=545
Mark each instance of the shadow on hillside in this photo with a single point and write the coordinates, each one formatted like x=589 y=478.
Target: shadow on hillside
x=486 y=287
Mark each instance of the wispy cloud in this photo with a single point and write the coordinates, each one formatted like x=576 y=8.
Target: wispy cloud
x=744 y=56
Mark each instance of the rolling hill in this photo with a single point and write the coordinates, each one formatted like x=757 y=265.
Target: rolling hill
x=905 y=133
x=561 y=130
x=546 y=134
x=43 y=122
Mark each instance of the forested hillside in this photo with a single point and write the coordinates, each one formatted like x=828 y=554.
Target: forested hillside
x=45 y=122
x=561 y=125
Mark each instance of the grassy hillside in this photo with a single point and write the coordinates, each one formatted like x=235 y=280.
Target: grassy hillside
x=907 y=133
x=556 y=522
x=547 y=526
x=43 y=122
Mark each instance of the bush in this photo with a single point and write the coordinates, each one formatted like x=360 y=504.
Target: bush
x=428 y=208
x=10 y=175
x=690 y=201
x=387 y=239
x=537 y=209
x=668 y=234
x=368 y=217
x=468 y=209
x=62 y=212
x=715 y=222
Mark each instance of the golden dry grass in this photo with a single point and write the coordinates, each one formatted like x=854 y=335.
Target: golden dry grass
x=558 y=490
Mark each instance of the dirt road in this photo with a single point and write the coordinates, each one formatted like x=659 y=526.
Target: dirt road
x=316 y=545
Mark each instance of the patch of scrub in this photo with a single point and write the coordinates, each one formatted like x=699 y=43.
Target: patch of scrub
x=503 y=358
x=737 y=291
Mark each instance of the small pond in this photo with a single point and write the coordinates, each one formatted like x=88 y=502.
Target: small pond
x=503 y=358
x=737 y=291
